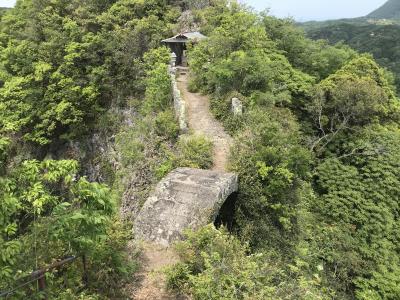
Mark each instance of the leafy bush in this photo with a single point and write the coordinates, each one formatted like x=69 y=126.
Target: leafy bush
x=216 y=265
x=167 y=125
x=273 y=170
x=221 y=107
x=158 y=89
x=113 y=265
x=383 y=46
x=357 y=208
x=48 y=213
x=355 y=96
x=194 y=151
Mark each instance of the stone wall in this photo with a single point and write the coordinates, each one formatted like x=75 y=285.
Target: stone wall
x=179 y=102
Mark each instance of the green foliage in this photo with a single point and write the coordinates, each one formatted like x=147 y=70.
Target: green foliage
x=339 y=226
x=147 y=147
x=315 y=58
x=221 y=107
x=195 y=152
x=382 y=41
x=216 y=265
x=158 y=89
x=63 y=65
x=166 y=125
x=47 y=213
x=236 y=58
x=113 y=264
x=358 y=209
x=272 y=168
x=355 y=96
x=237 y=31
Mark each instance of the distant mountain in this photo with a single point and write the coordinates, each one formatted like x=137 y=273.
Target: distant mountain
x=387 y=14
x=389 y=10
x=378 y=33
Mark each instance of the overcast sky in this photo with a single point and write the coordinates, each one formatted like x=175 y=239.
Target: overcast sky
x=7 y=3
x=304 y=10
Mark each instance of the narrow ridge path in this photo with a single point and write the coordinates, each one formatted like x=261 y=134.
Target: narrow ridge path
x=201 y=121
x=153 y=286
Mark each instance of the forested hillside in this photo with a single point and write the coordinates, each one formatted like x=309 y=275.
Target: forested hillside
x=377 y=34
x=72 y=74
x=382 y=41
x=317 y=162
x=87 y=128
x=390 y=10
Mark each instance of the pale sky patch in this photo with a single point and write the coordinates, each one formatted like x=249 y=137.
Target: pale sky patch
x=305 y=10
x=7 y=3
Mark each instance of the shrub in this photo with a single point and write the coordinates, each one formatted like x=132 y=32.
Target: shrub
x=166 y=125
x=217 y=266
x=194 y=151
x=222 y=110
x=112 y=265
x=273 y=168
x=158 y=89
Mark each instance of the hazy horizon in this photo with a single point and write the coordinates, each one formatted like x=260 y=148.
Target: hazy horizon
x=318 y=10
x=304 y=10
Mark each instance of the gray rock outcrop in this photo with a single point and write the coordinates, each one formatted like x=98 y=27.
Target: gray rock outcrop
x=185 y=198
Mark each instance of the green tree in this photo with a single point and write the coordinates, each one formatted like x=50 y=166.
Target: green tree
x=47 y=213
x=273 y=169
x=355 y=96
x=317 y=58
x=357 y=208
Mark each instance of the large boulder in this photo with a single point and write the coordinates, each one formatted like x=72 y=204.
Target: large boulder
x=185 y=198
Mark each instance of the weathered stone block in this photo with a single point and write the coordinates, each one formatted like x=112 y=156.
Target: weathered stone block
x=179 y=102
x=237 y=107
x=186 y=198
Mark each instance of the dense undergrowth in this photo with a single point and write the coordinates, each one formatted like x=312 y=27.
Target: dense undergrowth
x=316 y=155
x=67 y=68
x=152 y=146
x=316 y=150
x=378 y=39
x=82 y=83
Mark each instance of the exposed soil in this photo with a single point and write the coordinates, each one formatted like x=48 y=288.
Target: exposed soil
x=201 y=121
x=151 y=283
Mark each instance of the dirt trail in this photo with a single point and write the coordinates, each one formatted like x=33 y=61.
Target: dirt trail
x=202 y=121
x=152 y=280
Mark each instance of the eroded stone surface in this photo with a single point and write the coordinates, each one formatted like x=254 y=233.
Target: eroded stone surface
x=186 y=198
x=237 y=107
x=179 y=102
